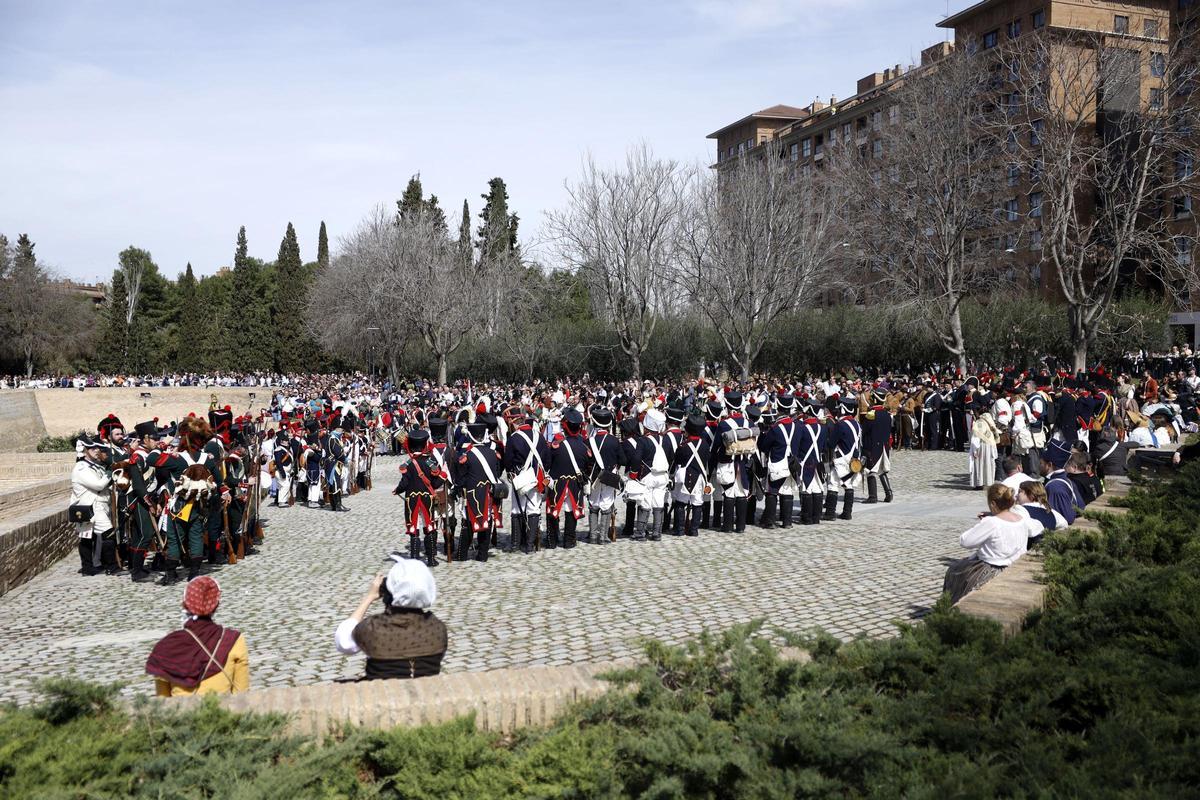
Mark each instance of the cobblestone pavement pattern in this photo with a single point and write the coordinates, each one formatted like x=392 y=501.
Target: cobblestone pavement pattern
x=557 y=607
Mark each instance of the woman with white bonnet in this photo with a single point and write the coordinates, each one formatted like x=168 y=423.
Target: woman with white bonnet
x=405 y=640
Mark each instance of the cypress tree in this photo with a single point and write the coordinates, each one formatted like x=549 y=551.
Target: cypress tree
x=114 y=339
x=191 y=334
x=435 y=211
x=322 y=248
x=498 y=233
x=249 y=325
x=291 y=347
x=465 y=247
x=411 y=202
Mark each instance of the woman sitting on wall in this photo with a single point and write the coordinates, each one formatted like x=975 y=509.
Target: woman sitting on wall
x=999 y=539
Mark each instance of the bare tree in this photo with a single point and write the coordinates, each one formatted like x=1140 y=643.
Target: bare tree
x=760 y=239
x=394 y=278
x=925 y=189
x=620 y=231
x=134 y=263
x=1104 y=134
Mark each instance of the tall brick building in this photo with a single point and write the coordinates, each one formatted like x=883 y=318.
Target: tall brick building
x=804 y=135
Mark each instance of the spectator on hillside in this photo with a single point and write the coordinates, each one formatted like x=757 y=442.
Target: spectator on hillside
x=998 y=539
x=405 y=640
x=202 y=657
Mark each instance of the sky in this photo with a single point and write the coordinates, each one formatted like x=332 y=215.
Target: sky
x=167 y=124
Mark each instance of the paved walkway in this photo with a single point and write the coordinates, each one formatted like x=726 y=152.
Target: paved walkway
x=592 y=603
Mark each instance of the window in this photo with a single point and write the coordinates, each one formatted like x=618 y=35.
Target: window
x=1158 y=65
x=1183 y=166
x=1150 y=28
x=877 y=149
x=876 y=120
x=1010 y=242
x=1011 y=144
x=1011 y=101
x=819 y=146
x=991 y=39
x=1039 y=19
x=794 y=151
x=1035 y=132
x=1183 y=206
x=1014 y=29
x=1035 y=170
x=741 y=148
x=1183 y=250
x=1156 y=99
x=846 y=131
x=1035 y=240
x=894 y=174
x=1035 y=204
x=1120 y=24
x=1014 y=174
x=893 y=115
x=1011 y=211
x=861 y=124
x=749 y=144
x=833 y=135
x=806 y=148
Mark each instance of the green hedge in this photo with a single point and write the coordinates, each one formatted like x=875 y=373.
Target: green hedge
x=1098 y=697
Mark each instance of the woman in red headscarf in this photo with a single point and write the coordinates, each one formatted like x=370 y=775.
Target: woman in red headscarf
x=202 y=657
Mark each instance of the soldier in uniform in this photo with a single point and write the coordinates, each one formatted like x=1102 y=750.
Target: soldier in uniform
x=605 y=481
x=877 y=431
x=90 y=485
x=334 y=465
x=847 y=447
x=439 y=428
x=422 y=487
x=115 y=549
x=810 y=444
x=733 y=466
x=931 y=417
x=1039 y=404
x=631 y=433
x=689 y=469
x=525 y=459
x=779 y=446
x=284 y=464
x=143 y=496
x=476 y=474
x=568 y=466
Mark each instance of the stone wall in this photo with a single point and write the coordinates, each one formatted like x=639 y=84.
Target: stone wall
x=66 y=411
x=32 y=542
x=503 y=700
x=21 y=426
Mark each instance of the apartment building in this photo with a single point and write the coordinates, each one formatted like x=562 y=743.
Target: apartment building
x=1140 y=26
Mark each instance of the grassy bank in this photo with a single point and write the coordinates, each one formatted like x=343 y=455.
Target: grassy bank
x=1099 y=697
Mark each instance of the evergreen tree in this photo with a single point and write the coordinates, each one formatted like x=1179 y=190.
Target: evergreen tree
x=190 y=342
x=292 y=347
x=322 y=248
x=498 y=233
x=114 y=338
x=249 y=325
x=411 y=202
x=465 y=246
x=435 y=212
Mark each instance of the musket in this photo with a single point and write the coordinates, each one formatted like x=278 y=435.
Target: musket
x=232 y=556
x=115 y=511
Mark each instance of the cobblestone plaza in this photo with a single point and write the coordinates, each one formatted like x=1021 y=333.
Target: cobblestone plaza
x=554 y=607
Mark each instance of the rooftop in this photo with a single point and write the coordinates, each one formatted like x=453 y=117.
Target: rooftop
x=774 y=112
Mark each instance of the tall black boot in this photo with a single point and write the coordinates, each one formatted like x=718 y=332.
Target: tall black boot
x=886 y=480
x=807 y=512
x=170 y=572
x=516 y=532
x=194 y=569
x=830 y=506
x=680 y=512
x=814 y=508
x=137 y=567
x=570 y=525
x=533 y=524
x=483 y=540
x=431 y=549
x=751 y=508
x=414 y=547
x=694 y=514
x=872 y=491
x=85 y=556
x=768 y=518
x=786 y=504
x=630 y=519
x=741 y=506
x=551 y=540
x=847 y=505
x=728 y=514
x=462 y=548
x=706 y=514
